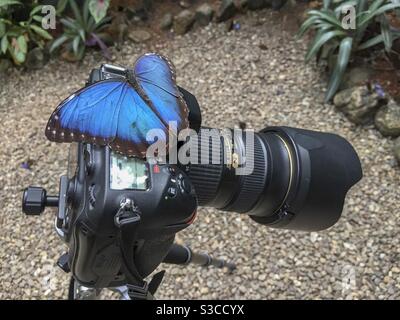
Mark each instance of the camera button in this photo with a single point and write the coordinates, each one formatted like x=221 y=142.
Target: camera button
x=172 y=171
x=172 y=192
x=185 y=185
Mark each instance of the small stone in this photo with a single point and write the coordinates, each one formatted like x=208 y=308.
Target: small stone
x=387 y=119
x=204 y=14
x=183 y=21
x=166 y=21
x=204 y=290
x=226 y=10
x=36 y=59
x=396 y=150
x=139 y=35
x=359 y=104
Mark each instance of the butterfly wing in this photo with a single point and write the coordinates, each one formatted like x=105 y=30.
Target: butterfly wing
x=155 y=76
x=89 y=115
x=109 y=112
x=135 y=121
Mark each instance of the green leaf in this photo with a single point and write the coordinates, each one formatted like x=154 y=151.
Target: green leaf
x=77 y=13
x=23 y=46
x=82 y=34
x=306 y=25
x=2 y=29
x=69 y=24
x=4 y=44
x=35 y=10
x=340 y=67
x=376 y=40
x=41 y=32
x=375 y=5
x=20 y=57
x=61 y=6
x=370 y=42
x=377 y=12
x=386 y=33
x=327 y=50
x=320 y=40
x=81 y=52
x=361 y=6
x=327 y=15
x=101 y=25
x=98 y=9
x=4 y=3
x=58 y=42
x=75 y=45
x=86 y=13
x=37 y=18
x=326 y=4
x=91 y=25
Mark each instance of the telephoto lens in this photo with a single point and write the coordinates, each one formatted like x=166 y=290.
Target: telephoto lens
x=289 y=178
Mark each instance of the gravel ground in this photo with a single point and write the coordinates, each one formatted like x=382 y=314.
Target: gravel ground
x=234 y=80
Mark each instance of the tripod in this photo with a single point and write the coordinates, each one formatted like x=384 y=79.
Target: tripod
x=178 y=254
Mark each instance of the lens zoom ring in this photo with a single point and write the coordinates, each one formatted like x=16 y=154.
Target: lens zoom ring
x=253 y=183
x=206 y=177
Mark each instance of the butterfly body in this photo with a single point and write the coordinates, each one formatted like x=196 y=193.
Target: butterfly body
x=119 y=112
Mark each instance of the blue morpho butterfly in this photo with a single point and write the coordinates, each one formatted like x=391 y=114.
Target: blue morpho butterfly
x=119 y=112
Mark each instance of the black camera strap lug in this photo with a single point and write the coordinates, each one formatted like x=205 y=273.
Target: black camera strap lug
x=138 y=293
x=127 y=221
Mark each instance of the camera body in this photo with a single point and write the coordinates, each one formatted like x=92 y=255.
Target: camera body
x=164 y=195
x=100 y=181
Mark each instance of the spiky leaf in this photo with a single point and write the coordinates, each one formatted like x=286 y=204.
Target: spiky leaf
x=321 y=39
x=340 y=67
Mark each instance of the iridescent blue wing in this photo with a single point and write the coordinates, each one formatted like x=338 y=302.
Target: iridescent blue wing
x=109 y=112
x=155 y=77
x=135 y=121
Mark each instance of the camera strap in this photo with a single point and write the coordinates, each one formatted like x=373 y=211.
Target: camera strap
x=127 y=221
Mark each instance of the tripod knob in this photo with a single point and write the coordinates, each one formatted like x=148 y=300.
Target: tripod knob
x=35 y=199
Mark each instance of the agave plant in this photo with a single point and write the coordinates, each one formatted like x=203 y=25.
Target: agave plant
x=83 y=30
x=336 y=42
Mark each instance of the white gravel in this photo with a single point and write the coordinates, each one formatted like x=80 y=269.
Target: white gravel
x=234 y=80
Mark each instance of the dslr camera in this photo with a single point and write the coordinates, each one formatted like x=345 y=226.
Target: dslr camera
x=119 y=215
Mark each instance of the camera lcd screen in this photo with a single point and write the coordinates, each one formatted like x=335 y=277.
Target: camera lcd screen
x=128 y=173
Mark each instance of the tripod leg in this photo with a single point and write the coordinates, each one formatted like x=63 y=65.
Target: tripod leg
x=183 y=255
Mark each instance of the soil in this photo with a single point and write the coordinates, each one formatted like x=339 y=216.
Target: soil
x=387 y=75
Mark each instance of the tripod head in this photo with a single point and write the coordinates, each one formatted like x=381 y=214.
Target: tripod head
x=119 y=215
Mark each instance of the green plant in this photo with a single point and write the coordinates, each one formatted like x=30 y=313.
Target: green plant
x=336 y=42
x=17 y=37
x=98 y=9
x=81 y=31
